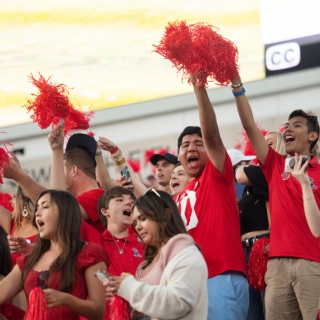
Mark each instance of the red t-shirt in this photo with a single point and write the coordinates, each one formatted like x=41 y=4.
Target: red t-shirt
x=290 y=234
x=131 y=257
x=91 y=254
x=128 y=261
x=90 y=234
x=209 y=209
x=89 y=202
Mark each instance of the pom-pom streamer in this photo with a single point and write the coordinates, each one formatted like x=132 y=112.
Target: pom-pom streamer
x=257 y=266
x=200 y=49
x=37 y=307
x=52 y=103
x=119 y=309
x=135 y=165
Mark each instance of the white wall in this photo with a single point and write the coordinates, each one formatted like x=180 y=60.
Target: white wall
x=158 y=123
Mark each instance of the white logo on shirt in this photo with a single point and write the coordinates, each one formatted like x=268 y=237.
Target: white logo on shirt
x=186 y=205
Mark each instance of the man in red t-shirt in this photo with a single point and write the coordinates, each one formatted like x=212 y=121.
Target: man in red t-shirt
x=293 y=271
x=209 y=209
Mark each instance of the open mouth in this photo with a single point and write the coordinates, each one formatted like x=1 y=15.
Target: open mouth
x=289 y=138
x=40 y=224
x=127 y=213
x=175 y=184
x=193 y=161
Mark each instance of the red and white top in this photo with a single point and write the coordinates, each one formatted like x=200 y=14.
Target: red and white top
x=209 y=209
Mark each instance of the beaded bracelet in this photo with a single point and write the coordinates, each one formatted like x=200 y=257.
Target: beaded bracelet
x=233 y=86
x=120 y=162
x=116 y=158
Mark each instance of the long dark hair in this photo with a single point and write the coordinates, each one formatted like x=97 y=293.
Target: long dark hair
x=159 y=207
x=68 y=237
x=5 y=257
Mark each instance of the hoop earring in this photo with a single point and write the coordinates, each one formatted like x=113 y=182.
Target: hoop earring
x=25 y=212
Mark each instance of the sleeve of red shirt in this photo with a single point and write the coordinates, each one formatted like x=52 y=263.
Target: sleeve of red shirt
x=268 y=166
x=89 y=202
x=90 y=234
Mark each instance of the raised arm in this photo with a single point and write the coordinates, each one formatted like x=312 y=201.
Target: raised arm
x=209 y=126
x=103 y=175
x=255 y=136
x=28 y=185
x=56 y=140
x=310 y=206
x=120 y=162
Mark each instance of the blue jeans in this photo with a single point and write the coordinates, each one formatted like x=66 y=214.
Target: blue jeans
x=256 y=298
x=228 y=296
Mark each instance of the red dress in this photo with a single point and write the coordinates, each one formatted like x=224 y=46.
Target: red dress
x=91 y=254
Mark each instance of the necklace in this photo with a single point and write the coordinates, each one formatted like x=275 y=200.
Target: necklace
x=120 y=249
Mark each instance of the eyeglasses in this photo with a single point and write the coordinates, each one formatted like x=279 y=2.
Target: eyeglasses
x=43 y=276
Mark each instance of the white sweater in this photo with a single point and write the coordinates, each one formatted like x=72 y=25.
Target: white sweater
x=182 y=293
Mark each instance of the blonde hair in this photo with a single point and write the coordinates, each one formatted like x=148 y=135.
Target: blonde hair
x=280 y=147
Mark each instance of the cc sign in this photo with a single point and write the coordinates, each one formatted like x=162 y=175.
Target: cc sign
x=283 y=56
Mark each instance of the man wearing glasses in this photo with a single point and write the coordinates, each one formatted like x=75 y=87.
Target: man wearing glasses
x=209 y=209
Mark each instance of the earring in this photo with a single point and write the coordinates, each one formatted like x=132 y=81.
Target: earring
x=25 y=212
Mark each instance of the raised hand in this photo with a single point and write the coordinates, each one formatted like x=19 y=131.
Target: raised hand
x=56 y=136
x=299 y=171
x=106 y=144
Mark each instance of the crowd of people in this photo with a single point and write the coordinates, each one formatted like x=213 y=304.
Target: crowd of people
x=187 y=249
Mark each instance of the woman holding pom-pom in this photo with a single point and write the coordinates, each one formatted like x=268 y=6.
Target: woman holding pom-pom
x=57 y=276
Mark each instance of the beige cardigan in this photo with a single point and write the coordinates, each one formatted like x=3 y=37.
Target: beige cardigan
x=182 y=293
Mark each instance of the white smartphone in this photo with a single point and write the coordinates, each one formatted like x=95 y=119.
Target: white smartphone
x=101 y=275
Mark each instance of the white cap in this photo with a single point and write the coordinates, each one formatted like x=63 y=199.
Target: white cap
x=237 y=156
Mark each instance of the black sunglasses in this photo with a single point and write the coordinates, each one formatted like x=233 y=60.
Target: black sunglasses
x=43 y=276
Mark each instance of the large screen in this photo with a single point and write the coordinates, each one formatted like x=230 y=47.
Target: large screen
x=102 y=49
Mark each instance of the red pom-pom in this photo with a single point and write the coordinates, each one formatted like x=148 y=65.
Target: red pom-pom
x=52 y=104
x=5 y=199
x=76 y=120
x=135 y=165
x=257 y=265
x=281 y=128
x=51 y=101
x=246 y=145
x=37 y=307
x=119 y=309
x=161 y=151
x=4 y=160
x=200 y=49
x=148 y=154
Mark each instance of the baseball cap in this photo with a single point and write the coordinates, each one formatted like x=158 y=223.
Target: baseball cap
x=168 y=156
x=85 y=142
x=237 y=156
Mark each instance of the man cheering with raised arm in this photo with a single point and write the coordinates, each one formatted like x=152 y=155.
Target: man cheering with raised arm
x=209 y=209
x=293 y=271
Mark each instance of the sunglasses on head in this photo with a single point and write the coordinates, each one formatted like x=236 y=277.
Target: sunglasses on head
x=152 y=190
